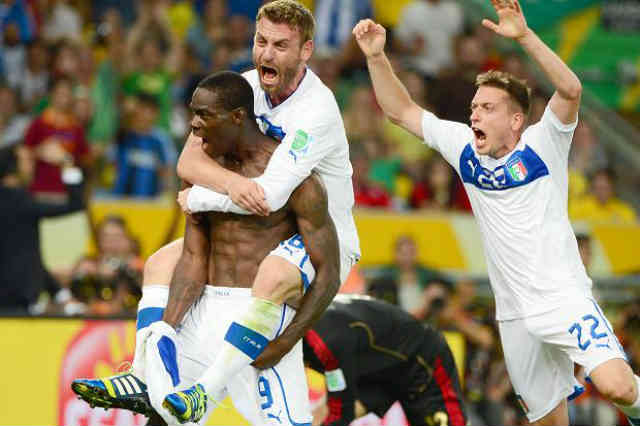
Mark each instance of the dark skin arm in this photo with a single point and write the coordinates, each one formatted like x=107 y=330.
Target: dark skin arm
x=309 y=203
x=191 y=273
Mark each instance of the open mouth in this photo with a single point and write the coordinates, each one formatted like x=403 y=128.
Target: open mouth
x=269 y=74
x=480 y=135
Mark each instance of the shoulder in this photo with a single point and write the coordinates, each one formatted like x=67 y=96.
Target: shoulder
x=314 y=185
x=252 y=77
x=530 y=131
x=318 y=102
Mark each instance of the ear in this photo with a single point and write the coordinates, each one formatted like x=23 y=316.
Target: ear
x=518 y=121
x=238 y=115
x=307 y=50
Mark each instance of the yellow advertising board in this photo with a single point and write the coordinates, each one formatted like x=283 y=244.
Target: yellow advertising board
x=445 y=240
x=42 y=356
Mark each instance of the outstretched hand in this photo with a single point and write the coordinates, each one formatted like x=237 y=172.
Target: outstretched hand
x=511 y=21
x=370 y=36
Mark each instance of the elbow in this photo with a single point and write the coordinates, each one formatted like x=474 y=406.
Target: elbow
x=182 y=170
x=401 y=116
x=395 y=119
x=575 y=91
x=329 y=280
x=334 y=281
x=395 y=116
x=195 y=253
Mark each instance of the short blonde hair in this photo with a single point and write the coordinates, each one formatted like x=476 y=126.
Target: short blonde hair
x=292 y=13
x=517 y=89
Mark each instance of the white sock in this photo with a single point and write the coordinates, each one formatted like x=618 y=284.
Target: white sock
x=633 y=410
x=150 y=309
x=161 y=364
x=246 y=338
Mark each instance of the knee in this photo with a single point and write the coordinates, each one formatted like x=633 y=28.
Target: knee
x=620 y=390
x=158 y=269
x=276 y=280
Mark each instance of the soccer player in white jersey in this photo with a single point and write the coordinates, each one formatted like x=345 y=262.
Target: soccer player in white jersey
x=292 y=105
x=516 y=179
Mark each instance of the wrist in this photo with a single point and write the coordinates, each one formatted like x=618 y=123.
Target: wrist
x=286 y=341
x=375 y=57
x=527 y=35
x=231 y=180
x=227 y=183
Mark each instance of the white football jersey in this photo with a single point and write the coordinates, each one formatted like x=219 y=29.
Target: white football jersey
x=311 y=130
x=520 y=203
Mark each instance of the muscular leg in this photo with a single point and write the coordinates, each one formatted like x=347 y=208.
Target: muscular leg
x=559 y=416
x=158 y=269
x=616 y=381
x=278 y=281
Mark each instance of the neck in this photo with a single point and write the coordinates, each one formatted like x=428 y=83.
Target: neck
x=250 y=143
x=277 y=98
x=506 y=148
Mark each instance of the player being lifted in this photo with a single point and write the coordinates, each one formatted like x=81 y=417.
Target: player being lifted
x=225 y=251
x=294 y=106
x=516 y=179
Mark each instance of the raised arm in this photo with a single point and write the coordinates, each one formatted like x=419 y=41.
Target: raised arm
x=512 y=24
x=196 y=167
x=309 y=202
x=393 y=97
x=191 y=273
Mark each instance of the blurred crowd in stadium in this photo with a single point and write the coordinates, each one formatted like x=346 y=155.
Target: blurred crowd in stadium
x=104 y=85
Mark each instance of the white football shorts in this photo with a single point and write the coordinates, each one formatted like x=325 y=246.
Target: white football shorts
x=277 y=396
x=540 y=352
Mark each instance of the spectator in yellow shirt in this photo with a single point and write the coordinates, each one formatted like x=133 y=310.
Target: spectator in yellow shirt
x=601 y=204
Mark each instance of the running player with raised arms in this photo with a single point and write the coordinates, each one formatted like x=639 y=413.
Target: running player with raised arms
x=516 y=179
x=292 y=105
